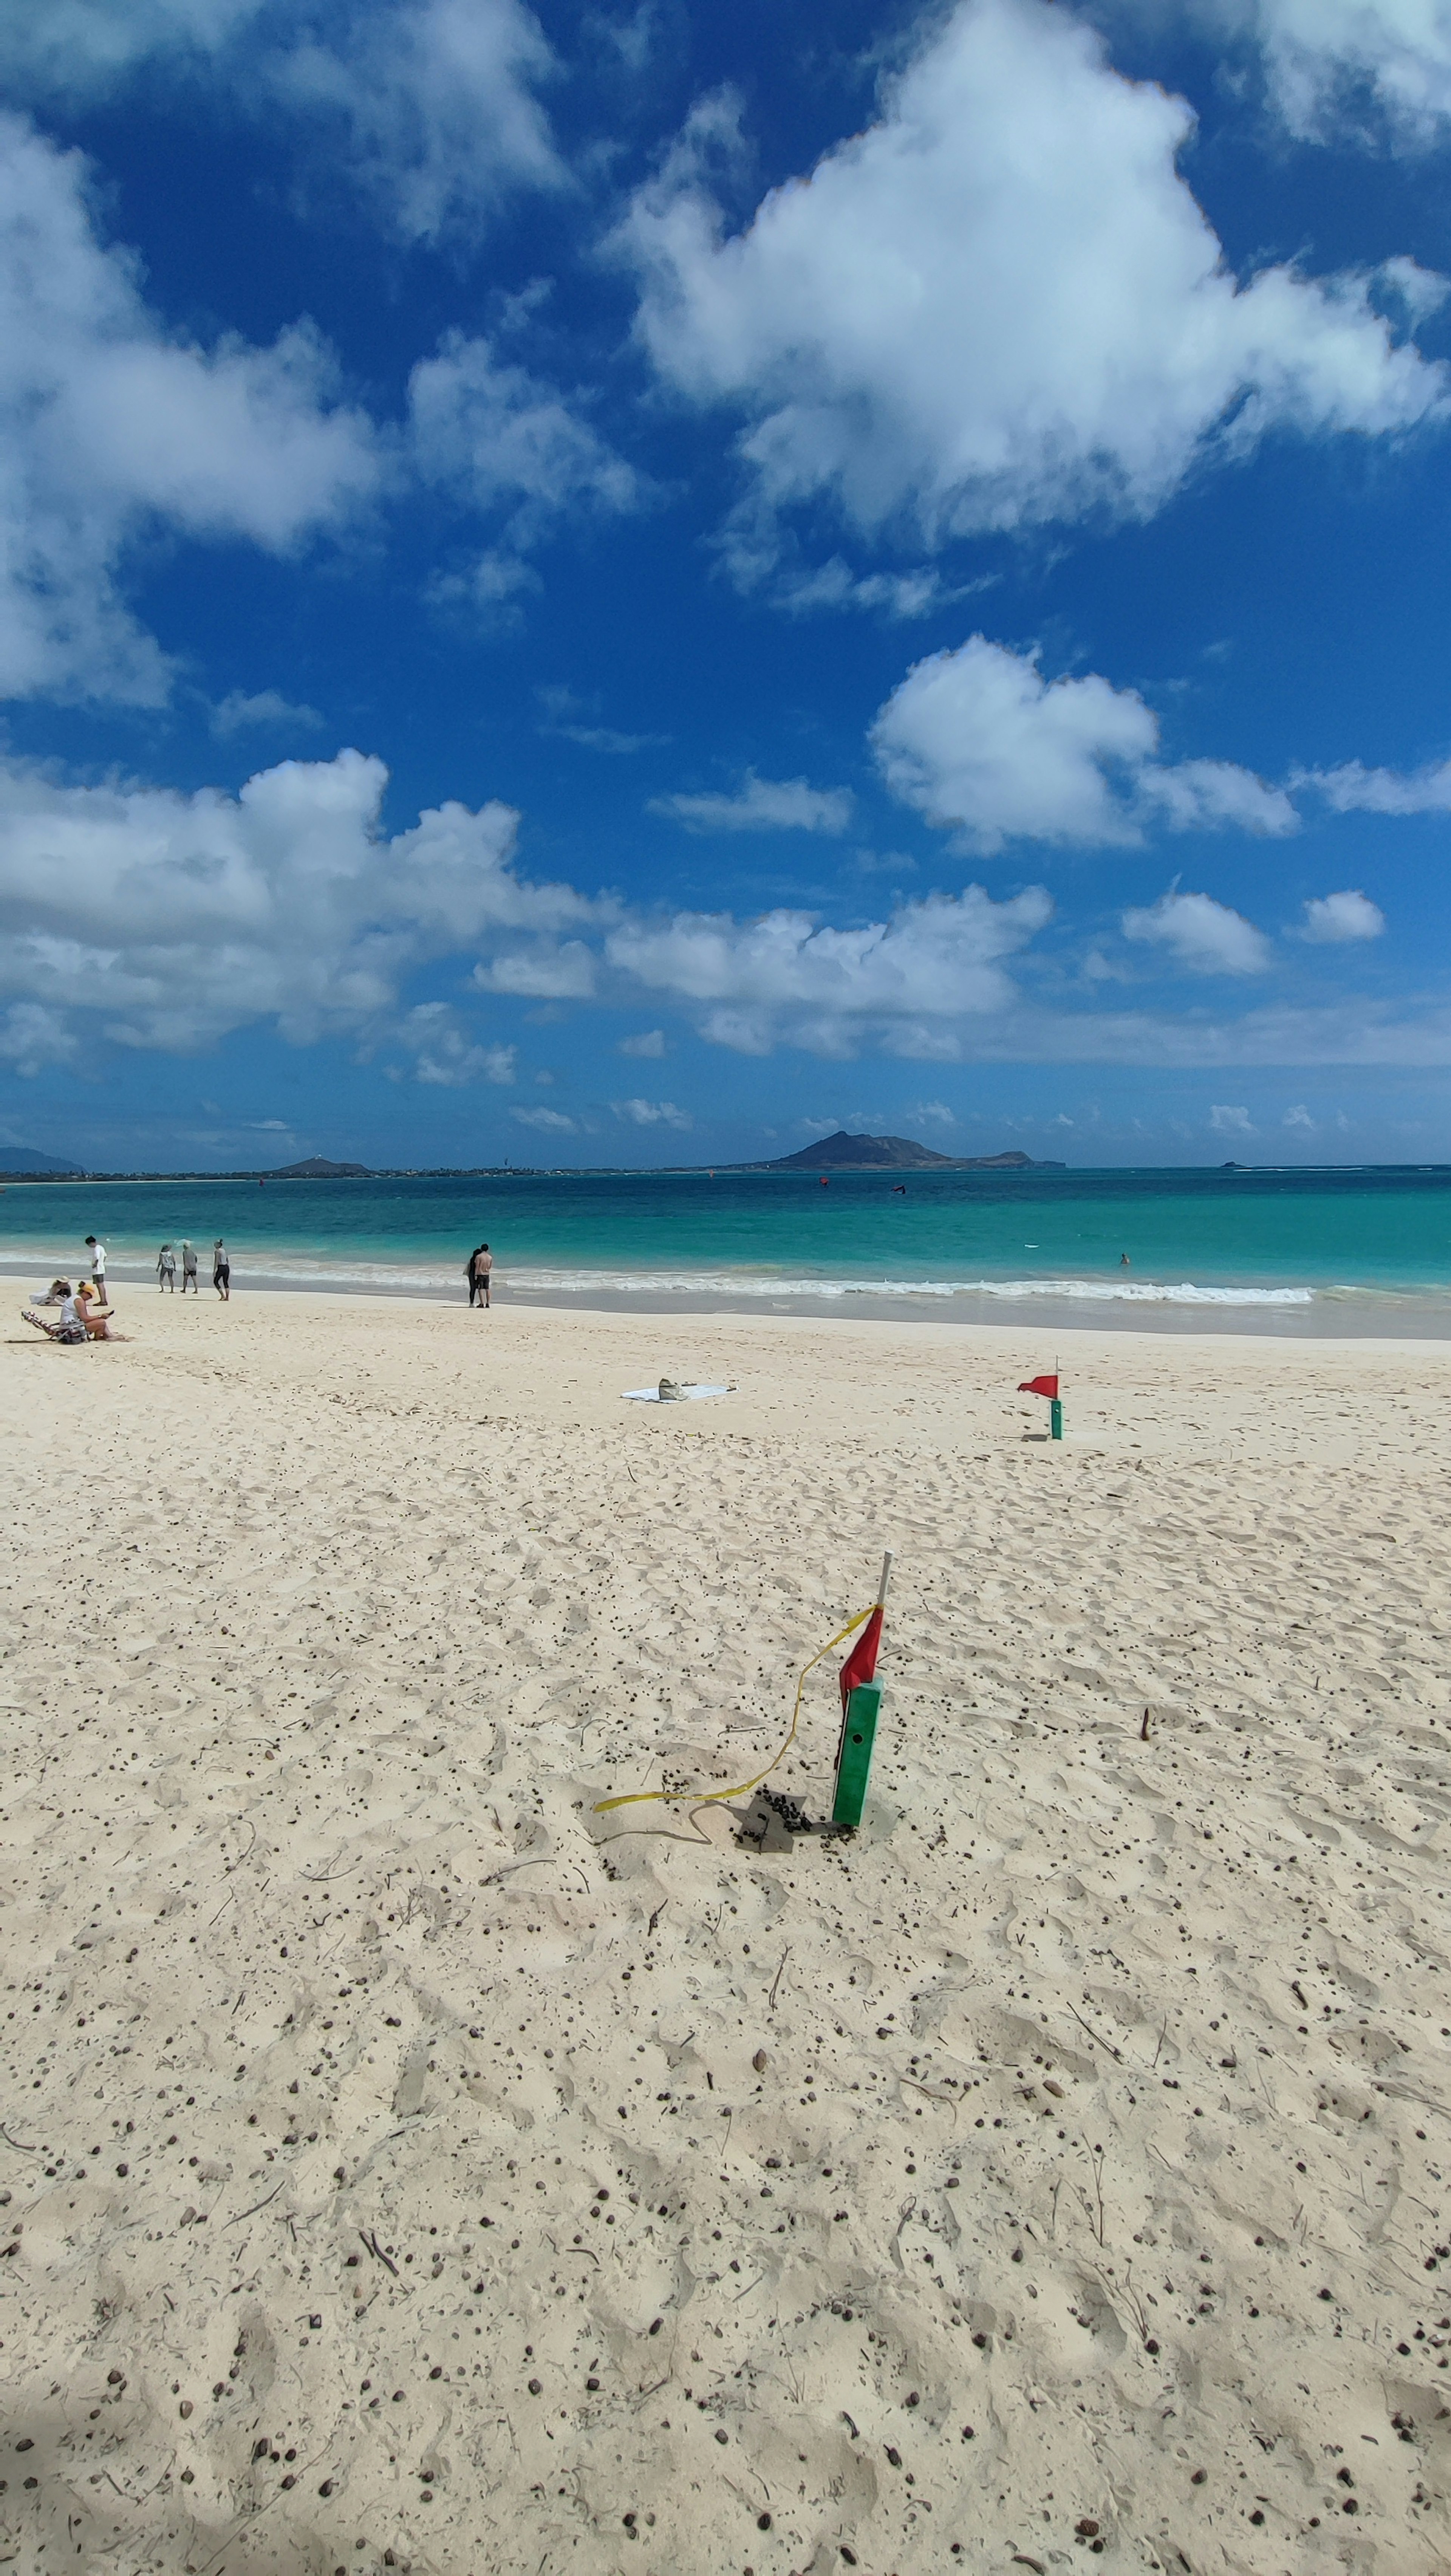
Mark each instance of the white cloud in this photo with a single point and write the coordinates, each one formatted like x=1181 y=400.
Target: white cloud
x=177 y=918
x=649 y=1042
x=33 y=1038
x=1333 y=918
x=999 y=305
x=444 y=1054
x=1231 y=1122
x=1204 y=935
x=513 y=449
x=1211 y=795
x=651 y=1113
x=429 y=104
x=574 y=719
x=1353 y=789
x=903 y=595
x=605 y=738
x=549 y=1121
x=237 y=712
x=1322 y=56
x=978 y=738
x=434 y=103
x=1299 y=1116
x=783 y=976
x=180 y=917
x=109 y=428
x=763 y=805
x=488 y=591
x=550 y=971
x=81 y=49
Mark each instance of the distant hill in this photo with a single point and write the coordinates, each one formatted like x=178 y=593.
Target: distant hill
x=844 y=1153
x=317 y=1169
x=24 y=1162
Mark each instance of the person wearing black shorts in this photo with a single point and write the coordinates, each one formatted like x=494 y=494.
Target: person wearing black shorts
x=221 y=1270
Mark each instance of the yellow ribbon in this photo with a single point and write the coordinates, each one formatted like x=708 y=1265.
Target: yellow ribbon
x=713 y=1797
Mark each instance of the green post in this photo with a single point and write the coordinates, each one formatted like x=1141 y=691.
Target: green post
x=1055 y=1416
x=854 y=1755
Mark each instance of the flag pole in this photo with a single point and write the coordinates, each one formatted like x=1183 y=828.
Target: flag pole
x=1055 y=1410
x=859 y=1730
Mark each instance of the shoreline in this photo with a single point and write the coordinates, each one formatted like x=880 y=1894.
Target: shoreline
x=1326 y=1315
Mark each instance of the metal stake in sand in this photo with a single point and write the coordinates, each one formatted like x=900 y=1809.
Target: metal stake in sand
x=862 y=1702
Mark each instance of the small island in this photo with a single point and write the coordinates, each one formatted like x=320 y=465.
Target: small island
x=317 y=1168
x=844 y=1153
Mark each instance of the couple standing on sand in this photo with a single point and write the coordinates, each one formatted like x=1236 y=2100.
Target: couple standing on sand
x=166 y=1269
x=478 y=1271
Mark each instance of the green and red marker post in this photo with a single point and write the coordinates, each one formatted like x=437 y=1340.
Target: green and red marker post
x=861 y=1700
x=1048 y=1386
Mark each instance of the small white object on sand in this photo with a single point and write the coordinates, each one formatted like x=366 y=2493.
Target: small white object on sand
x=684 y=1394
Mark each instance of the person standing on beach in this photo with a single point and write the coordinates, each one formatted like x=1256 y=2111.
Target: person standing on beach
x=221 y=1271
x=165 y=1269
x=97 y=1252
x=188 y=1269
x=479 y=1275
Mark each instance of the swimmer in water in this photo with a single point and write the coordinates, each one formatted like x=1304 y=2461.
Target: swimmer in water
x=1124 y=1262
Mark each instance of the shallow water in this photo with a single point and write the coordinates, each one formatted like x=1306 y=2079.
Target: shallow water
x=1365 y=1251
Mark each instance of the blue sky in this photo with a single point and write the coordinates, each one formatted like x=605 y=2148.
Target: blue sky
x=630 y=584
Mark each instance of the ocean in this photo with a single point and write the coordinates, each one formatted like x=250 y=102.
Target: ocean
x=1340 y=1251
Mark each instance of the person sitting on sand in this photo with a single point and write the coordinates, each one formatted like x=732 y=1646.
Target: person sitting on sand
x=70 y=1325
x=58 y=1288
x=166 y=1268
x=95 y=1314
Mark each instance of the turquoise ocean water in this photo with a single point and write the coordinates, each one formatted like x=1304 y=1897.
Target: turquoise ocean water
x=1336 y=1251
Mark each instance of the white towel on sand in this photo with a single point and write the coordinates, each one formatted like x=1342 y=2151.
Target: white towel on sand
x=651 y=1394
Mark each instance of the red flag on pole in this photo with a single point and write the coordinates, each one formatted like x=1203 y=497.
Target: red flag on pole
x=861 y=1663
x=1040 y=1386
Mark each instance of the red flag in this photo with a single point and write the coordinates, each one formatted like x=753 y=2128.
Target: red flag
x=1040 y=1386
x=861 y=1663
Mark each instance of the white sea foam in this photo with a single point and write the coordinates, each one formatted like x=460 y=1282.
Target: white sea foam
x=753 y=1283
x=289 y=1270
x=1142 y=1292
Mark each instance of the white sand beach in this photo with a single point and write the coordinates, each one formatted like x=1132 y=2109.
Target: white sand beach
x=404 y=2167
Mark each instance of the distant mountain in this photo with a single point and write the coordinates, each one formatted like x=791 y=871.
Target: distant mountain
x=844 y=1153
x=317 y=1169
x=22 y=1160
